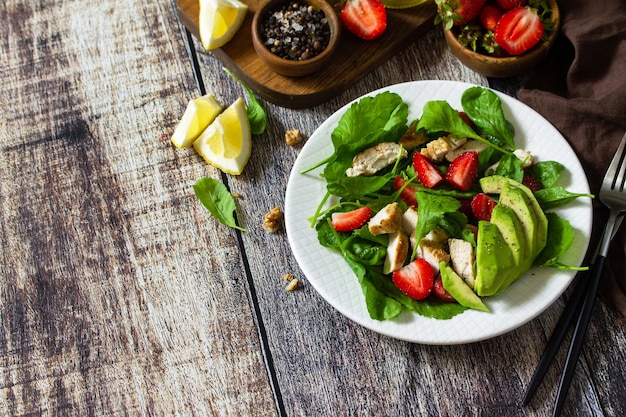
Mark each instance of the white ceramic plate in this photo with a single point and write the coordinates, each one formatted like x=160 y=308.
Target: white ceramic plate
x=521 y=302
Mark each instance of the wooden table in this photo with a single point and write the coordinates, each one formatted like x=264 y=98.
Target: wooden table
x=119 y=295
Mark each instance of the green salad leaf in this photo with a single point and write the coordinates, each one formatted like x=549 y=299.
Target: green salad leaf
x=484 y=108
x=215 y=197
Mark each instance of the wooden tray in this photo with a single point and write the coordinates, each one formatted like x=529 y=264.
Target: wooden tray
x=354 y=59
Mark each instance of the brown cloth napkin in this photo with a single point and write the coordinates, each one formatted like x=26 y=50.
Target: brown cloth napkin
x=581 y=90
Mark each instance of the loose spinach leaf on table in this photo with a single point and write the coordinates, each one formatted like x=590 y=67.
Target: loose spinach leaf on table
x=215 y=197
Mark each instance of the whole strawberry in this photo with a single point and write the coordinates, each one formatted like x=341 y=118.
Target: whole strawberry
x=457 y=12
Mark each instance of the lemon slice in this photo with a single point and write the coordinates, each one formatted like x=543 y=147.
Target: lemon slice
x=219 y=20
x=200 y=113
x=401 y=4
x=226 y=143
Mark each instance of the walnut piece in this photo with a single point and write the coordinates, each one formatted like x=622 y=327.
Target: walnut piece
x=293 y=137
x=271 y=220
x=293 y=284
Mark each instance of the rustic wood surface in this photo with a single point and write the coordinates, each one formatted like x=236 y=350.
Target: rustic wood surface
x=119 y=295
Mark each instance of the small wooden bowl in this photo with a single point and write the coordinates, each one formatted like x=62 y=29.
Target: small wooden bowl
x=504 y=67
x=292 y=68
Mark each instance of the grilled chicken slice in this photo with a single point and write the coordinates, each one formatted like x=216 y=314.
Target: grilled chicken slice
x=372 y=160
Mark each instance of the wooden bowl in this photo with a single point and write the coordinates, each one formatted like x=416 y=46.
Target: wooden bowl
x=293 y=68
x=504 y=67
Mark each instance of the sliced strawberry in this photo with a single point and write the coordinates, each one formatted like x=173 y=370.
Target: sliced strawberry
x=518 y=30
x=415 y=279
x=482 y=206
x=350 y=220
x=532 y=182
x=440 y=292
x=457 y=12
x=407 y=194
x=463 y=171
x=506 y=5
x=367 y=19
x=489 y=16
x=427 y=173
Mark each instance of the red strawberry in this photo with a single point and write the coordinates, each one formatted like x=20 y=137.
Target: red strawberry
x=440 y=292
x=407 y=194
x=532 y=182
x=482 y=206
x=506 y=5
x=350 y=220
x=457 y=12
x=367 y=19
x=463 y=171
x=489 y=16
x=428 y=175
x=415 y=279
x=518 y=30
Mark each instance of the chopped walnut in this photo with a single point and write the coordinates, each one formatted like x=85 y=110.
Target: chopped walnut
x=271 y=220
x=236 y=195
x=288 y=276
x=293 y=137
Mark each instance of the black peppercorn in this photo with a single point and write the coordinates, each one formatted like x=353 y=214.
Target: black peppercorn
x=296 y=31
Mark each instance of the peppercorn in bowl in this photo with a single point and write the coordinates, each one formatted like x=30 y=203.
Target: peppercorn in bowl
x=295 y=38
x=506 y=38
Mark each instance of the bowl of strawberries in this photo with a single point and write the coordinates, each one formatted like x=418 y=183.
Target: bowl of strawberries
x=499 y=38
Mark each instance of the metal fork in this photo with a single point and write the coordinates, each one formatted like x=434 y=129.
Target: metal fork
x=613 y=195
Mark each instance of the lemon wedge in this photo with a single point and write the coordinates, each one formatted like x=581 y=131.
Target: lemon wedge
x=226 y=143
x=219 y=20
x=401 y=4
x=200 y=113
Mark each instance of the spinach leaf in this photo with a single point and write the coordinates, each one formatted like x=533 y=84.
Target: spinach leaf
x=547 y=172
x=510 y=166
x=256 y=112
x=484 y=108
x=560 y=238
x=552 y=197
x=217 y=200
x=431 y=212
x=439 y=116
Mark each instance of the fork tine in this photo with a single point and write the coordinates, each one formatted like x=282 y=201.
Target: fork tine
x=617 y=178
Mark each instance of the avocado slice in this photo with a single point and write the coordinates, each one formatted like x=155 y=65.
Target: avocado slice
x=511 y=229
x=458 y=289
x=517 y=201
x=495 y=265
x=495 y=183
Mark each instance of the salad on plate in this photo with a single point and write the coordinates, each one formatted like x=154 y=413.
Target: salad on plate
x=436 y=214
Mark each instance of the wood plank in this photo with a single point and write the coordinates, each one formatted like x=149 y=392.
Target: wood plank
x=354 y=59
x=118 y=295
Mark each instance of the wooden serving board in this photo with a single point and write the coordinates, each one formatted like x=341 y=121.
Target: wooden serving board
x=354 y=59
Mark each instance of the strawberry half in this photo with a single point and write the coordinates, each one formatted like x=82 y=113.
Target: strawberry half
x=482 y=206
x=415 y=279
x=350 y=220
x=428 y=175
x=463 y=171
x=518 y=30
x=407 y=194
x=367 y=19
